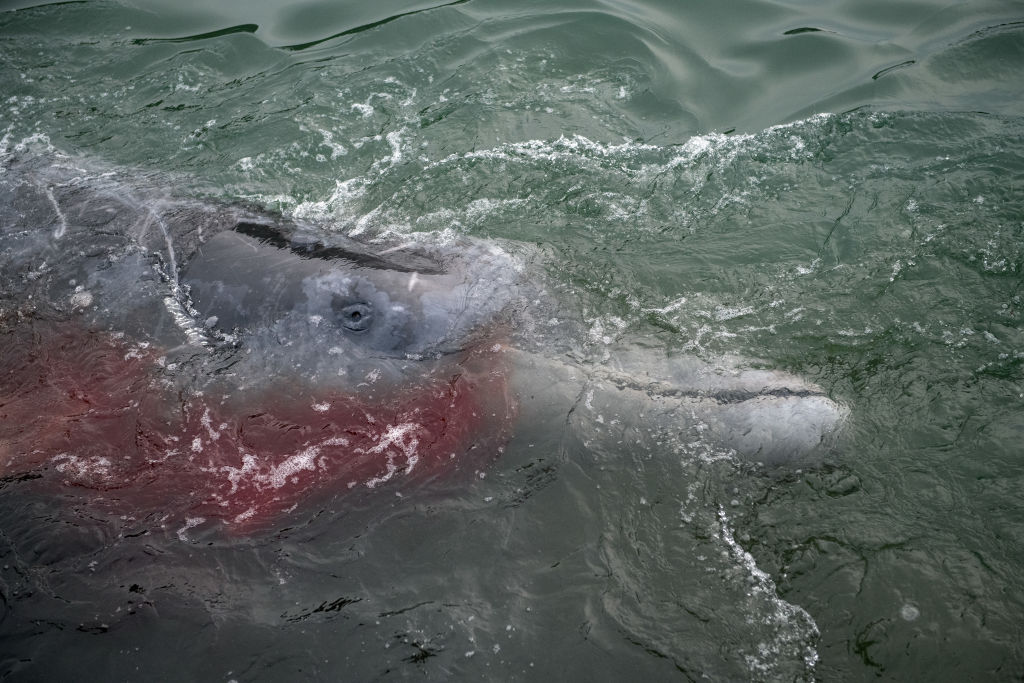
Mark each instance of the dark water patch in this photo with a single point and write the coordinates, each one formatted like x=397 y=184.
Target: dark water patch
x=804 y=29
x=886 y=70
x=323 y=611
x=243 y=28
x=13 y=6
x=367 y=27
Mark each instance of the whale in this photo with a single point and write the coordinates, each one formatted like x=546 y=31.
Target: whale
x=199 y=363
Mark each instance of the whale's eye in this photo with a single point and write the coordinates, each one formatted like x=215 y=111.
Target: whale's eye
x=356 y=317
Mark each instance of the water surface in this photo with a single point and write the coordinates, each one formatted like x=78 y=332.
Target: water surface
x=833 y=188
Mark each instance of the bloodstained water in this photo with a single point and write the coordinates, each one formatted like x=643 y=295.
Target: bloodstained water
x=88 y=414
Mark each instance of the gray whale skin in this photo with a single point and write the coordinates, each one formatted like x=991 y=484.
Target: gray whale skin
x=254 y=360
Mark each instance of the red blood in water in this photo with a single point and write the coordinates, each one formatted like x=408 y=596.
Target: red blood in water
x=89 y=411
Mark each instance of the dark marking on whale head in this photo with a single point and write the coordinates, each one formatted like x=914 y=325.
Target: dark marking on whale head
x=356 y=253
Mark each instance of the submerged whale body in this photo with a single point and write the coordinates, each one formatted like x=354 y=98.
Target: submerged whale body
x=191 y=363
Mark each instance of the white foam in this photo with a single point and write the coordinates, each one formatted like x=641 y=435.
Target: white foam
x=243 y=516
x=81 y=298
x=396 y=439
x=337 y=149
x=207 y=423
x=190 y=522
x=365 y=110
x=82 y=468
x=303 y=461
x=730 y=312
x=63 y=227
x=794 y=630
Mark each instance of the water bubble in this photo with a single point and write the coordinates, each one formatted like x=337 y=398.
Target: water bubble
x=909 y=612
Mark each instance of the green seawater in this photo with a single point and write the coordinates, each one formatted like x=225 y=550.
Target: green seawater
x=832 y=188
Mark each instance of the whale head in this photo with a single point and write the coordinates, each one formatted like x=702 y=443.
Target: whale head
x=338 y=315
